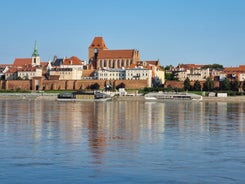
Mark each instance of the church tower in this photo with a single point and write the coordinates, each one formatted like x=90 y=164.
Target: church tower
x=35 y=60
x=94 y=49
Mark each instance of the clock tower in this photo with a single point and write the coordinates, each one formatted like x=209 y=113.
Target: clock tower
x=94 y=49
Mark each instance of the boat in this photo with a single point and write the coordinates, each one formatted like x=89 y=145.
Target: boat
x=83 y=96
x=150 y=98
x=172 y=96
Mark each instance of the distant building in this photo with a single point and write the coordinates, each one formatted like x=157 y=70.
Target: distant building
x=26 y=68
x=3 y=69
x=65 y=73
x=235 y=72
x=66 y=68
x=100 y=57
x=139 y=74
x=192 y=71
x=33 y=61
x=111 y=74
x=28 y=73
x=73 y=62
x=126 y=74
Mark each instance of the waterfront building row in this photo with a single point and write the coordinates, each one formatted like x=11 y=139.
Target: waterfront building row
x=104 y=64
x=200 y=73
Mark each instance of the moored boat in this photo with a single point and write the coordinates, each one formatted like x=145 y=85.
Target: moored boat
x=173 y=96
x=83 y=96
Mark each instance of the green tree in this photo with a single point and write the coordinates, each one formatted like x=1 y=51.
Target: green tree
x=19 y=78
x=225 y=84
x=26 y=77
x=95 y=86
x=169 y=76
x=214 y=66
x=243 y=86
x=209 y=84
x=187 y=84
x=168 y=67
x=235 y=84
x=197 y=86
x=121 y=85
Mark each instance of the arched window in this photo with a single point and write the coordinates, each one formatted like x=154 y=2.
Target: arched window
x=109 y=63
x=113 y=64
x=100 y=63
x=118 y=63
x=122 y=61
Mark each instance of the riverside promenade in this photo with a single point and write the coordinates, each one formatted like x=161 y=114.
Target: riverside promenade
x=53 y=96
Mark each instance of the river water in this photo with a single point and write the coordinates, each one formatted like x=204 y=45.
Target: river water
x=45 y=141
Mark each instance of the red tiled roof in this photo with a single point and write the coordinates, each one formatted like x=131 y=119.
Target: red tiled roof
x=44 y=63
x=88 y=73
x=189 y=66
x=234 y=69
x=22 y=61
x=11 y=70
x=156 y=63
x=132 y=66
x=27 y=69
x=113 y=54
x=5 y=65
x=73 y=61
x=98 y=42
x=242 y=67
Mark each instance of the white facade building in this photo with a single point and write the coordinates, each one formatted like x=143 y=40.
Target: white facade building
x=111 y=74
x=125 y=74
x=194 y=74
x=66 y=73
x=29 y=73
x=139 y=74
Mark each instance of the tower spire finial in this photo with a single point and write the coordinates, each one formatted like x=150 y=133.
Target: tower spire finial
x=35 y=52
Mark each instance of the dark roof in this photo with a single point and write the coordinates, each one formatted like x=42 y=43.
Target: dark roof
x=58 y=62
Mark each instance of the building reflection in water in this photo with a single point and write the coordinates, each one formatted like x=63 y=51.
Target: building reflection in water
x=103 y=125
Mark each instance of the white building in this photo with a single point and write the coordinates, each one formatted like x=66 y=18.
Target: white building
x=66 y=73
x=28 y=73
x=111 y=74
x=241 y=76
x=194 y=74
x=125 y=74
x=139 y=74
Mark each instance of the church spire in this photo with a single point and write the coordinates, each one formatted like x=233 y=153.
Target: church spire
x=35 y=52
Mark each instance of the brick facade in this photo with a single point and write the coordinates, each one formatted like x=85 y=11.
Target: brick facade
x=67 y=84
x=180 y=84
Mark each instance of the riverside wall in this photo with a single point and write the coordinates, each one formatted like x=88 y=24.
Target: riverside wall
x=39 y=84
x=180 y=84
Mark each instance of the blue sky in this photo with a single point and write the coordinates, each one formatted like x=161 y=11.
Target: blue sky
x=174 y=31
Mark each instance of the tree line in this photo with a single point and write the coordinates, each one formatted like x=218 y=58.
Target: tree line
x=225 y=85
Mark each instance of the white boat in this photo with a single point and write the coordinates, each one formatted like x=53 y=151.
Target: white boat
x=150 y=98
x=173 y=96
